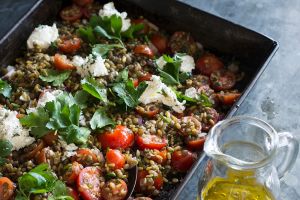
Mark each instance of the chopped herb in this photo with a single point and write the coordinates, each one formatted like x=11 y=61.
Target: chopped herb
x=5 y=150
x=81 y=97
x=56 y=77
x=91 y=86
x=103 y=49
x=87 y=33
x=100 y=119
x=5 y=88
x=132 y=30
x=201 y=99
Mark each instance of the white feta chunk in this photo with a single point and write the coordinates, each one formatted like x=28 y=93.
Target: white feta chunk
x=43 y=36
x=48 y=96
x=12 y=130
x=191 y=92
x=90 y=66
x=160 y=62
x=109 y=9
x=188 y=64
x=160 y=93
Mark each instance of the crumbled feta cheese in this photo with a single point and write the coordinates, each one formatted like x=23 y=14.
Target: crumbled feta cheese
x=160 y=62
x=10 y=71
x=109 y=10
x=90 y=66
x=48 y=96
x=191 y=92
x=82 y=119
x=12 y=130
x=160 y=93
x=42 y=36
x=188 y=64
x=70 y=149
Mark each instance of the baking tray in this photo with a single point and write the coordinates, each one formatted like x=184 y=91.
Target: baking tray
x=253 y=50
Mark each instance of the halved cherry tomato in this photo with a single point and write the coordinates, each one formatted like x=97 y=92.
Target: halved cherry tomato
x=146 y=77
x=120 y=137
x=119 y=192
x=71 y=13
x=208 y=64
x=212 y=116
x=160 y=42
x=41 y=156
x=146 y=28
x=135 y=83
x=83 y=2
x=38 y=147
x=161 y=157
x=62 y=63
x=73 y=193
x=182 y=160
x=141 y=187
x=88 y=183
x=7 y=188
x=86 y=156
x=114 y=156
x=195 y=143
x=228 y=98
x=72 y=172
x=50 y=138
x=222 y=80
x=151 y=142
x=69 y=45
x=182 y=42
x=149 y=110
x=144 y=50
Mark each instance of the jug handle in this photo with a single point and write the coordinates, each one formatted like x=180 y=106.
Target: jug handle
x=288 y=146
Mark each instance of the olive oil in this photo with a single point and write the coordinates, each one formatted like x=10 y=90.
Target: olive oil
x=237 y=186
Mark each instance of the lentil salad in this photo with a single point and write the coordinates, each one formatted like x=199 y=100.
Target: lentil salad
x=110 y=127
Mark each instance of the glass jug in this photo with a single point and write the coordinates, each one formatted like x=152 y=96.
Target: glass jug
x=247 y=159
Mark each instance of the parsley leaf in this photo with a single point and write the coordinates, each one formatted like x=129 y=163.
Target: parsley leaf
x=91 y=86
x=103 y=49
x=100 y=119
x=56 y=77
x=41 y=180
x=5 y=150
x=201 y=99
x=75 y=134
x=81 y=97
x=5 y=88
x=87 y=33
x=134 y=28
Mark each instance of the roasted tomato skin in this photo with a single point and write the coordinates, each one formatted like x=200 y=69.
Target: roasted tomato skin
x=114 y=156
x=182 y=42
x=83 y=2
x=7 y=188
x=150 y=142
x=121 y=137
x=149 y=111
x=73 y=193
x=195 y=144
x=157 y=181
x=144 y=50
x=160 y=42
x=88 y=183
x=72 y=172
x=208 y=64
x=69 y=45
x=222 y=80
x=182 y=160
x=71 y=13
x=61 y=63
x=228 y=98
x=87 y=156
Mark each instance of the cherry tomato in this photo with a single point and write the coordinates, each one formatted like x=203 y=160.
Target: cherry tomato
x=7 y=188
x=50 y=138
x=62 y=63
x=72 y=172
x=114 y=156
x=182 y=160
x=190 y=120
x=140 y=186
x=31 y=154
x=160 y=157
x=208 y=64
x=149 y=110
x=146 y=28
x=151 y=142
x=87 y=156
x=135 y=83
x=41 y=156
x=222 y=80
x=228 y=98
x=144 y=50
x=195 y=143
x=120 y=137
x=182 y=42
x=119 y=192
x=73 y=193
x=71 y=13
x=83 y=2
x=70 y=45
x=146 y=77
x=88 y=183
x=212 y=116
x=160 y=42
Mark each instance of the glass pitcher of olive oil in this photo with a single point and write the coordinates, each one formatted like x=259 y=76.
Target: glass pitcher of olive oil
x=247 y=159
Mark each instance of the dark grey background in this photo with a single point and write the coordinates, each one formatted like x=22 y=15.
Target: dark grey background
x=276 y=96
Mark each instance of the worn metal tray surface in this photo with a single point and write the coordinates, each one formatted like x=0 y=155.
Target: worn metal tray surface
x=251 y=49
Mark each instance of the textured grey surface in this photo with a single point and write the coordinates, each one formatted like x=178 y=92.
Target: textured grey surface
x=276 y=95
